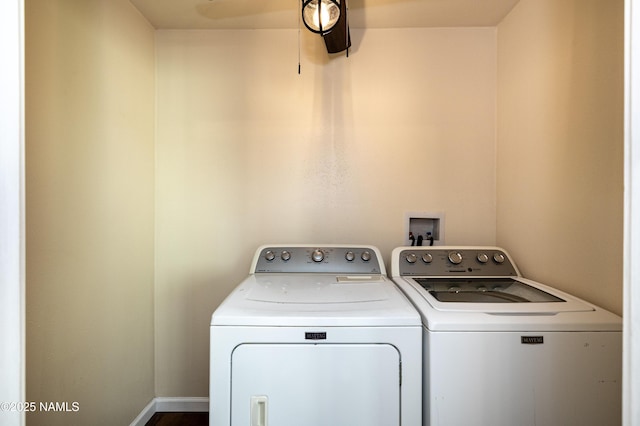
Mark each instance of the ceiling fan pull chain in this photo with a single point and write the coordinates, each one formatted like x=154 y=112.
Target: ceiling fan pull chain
x=299 y=15
x=346 y=18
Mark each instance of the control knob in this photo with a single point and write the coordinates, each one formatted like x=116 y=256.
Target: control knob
x=427 y=258
x=366 y=256
x=317 y=255
x=498 y=258
x=455 y=257
x=349 y=256
x=269 y=255
x=411 y=258
x=482 y=258
x=285 y=255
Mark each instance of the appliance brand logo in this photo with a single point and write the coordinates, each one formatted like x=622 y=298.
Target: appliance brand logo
x=315 y=335
x=532 y=340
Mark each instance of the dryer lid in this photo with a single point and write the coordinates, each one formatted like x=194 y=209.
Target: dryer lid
x=316 y=300
x=317 y=289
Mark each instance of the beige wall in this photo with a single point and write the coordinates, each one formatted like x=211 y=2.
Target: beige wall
x=89 y=210
x=560 y=144
x=249 y=152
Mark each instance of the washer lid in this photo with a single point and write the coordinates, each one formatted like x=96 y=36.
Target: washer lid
x=485 y=290
x=496 y=295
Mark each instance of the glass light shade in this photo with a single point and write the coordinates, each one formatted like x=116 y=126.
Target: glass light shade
x=320 y=16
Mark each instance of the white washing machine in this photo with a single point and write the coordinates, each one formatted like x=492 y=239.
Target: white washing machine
x=502 y=350
x=316 y=336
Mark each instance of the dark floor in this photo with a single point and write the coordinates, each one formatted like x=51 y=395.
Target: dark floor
x=179 y=419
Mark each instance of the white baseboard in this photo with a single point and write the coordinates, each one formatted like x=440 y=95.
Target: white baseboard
x=187 y=405
x=171 y=404
x=145 y=415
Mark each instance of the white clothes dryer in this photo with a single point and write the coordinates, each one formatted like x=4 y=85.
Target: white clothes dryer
x=316 y=336
x=502 y=350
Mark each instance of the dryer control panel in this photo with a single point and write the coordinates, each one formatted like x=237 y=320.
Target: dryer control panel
x=341 y=259
x=452 y=261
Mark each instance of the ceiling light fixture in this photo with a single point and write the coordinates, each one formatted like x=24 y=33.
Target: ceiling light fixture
x=320 y=16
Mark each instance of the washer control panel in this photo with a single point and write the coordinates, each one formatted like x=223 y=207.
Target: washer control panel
x=341 y=259
x=453 y=261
